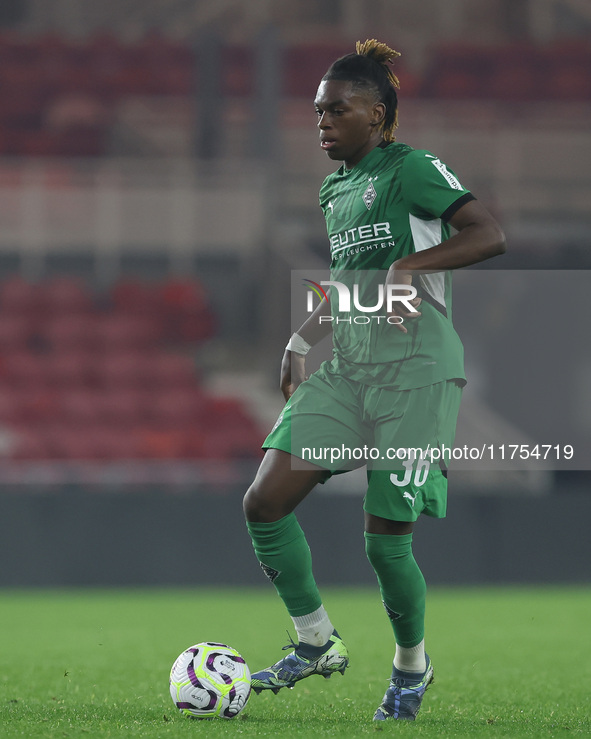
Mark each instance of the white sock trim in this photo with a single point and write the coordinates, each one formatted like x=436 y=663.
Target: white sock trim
x=411 y=659
x=314 y=628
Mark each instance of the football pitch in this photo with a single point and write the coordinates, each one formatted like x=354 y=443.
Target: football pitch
x=509 y=662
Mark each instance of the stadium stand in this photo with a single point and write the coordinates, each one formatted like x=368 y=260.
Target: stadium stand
x=94 y=377
x=59 y=97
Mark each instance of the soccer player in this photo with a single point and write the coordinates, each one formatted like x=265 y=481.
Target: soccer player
x=393 y=383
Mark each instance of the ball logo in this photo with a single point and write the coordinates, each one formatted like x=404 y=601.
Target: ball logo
x=228 y=665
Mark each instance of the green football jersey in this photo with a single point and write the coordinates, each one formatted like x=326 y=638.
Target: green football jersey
x=393 y=203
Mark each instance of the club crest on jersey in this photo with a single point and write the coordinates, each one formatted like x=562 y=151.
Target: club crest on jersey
x=369 y=195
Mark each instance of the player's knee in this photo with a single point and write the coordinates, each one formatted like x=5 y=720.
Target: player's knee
x=259 y=505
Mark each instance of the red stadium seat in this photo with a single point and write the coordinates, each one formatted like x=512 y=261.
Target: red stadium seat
x=40 y=143
x=80 y=407
x=66 y=295
x=116 y=443
x=11 y=410
x=136 y=296
x=125 y=408
x=24 y=369
x=458 y=72
x=28 y=444
x=183 y=296
x=70 y=332
x=117 y=331
x=226 y=444
x=70 y=369
x=170 y=65
x=228 y=413
x=238 y=71
x=79 y=381
x=173 y=371
x=157 y=443
x=91 y=442
x=177 y=408
x=124 y=370
x=19 y=296
x=515 y=74
x=82 y=141
x=567 y=71
x=15 y=332
x=69 y=442
x=37 y=404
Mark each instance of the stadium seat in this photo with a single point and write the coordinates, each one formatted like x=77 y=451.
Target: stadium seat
x=171 y=371
x=157 y=443
x=135 y=296
x=82 y=141
x=70 y=369
x=24 y=369
x=81 y=408
x=177 y=407
x=65 y=295
x=117 y=331
x=515 y=73
x=129 y=369
x=37 y=404
x=19 y=296
x=116 y=443
x=70 y=332
x=66 y=441
x=27 y=443
x=567 y=71
x=227 y=413
x=41 y=143
x=81 y=379
x=238 y=71
x=305 y=63
x=182 y=296
x=125 y=408
x=15 y=333
x=226 y=444
x=10 y=406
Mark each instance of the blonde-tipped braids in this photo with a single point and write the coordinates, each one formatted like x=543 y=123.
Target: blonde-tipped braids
x=370 y=68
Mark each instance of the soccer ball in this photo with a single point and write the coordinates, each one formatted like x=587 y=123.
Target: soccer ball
x=209 y=680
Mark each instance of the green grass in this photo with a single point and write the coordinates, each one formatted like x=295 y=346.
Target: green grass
x=508 y=663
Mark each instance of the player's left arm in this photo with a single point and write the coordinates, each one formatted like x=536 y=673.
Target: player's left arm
x=479 y=237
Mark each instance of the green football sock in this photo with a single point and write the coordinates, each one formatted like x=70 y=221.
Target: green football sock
x=285 y=558
x=401 y=583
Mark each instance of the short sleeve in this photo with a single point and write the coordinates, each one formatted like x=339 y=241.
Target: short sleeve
x=429 y=188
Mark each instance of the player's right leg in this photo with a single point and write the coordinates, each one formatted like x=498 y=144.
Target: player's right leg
x=285 y=558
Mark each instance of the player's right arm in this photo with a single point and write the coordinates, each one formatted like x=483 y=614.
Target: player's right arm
x=293 y=364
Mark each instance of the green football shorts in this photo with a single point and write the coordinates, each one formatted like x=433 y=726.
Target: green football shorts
x=340 y=425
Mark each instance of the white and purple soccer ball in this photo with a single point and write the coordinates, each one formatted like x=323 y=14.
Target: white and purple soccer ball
x=209 y=680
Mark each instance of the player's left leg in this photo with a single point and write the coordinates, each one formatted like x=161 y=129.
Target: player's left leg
x=403 y=590
x=414 y=422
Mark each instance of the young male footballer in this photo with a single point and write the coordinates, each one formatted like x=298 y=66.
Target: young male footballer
x=395 y=379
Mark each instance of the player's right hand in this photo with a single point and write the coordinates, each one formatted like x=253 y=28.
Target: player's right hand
x=293 y=373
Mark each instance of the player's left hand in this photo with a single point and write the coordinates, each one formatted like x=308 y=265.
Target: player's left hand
x=398 y=309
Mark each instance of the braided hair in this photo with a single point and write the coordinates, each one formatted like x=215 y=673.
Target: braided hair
x=369 y=69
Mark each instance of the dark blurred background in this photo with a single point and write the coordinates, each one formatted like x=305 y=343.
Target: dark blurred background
x=159 y=171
